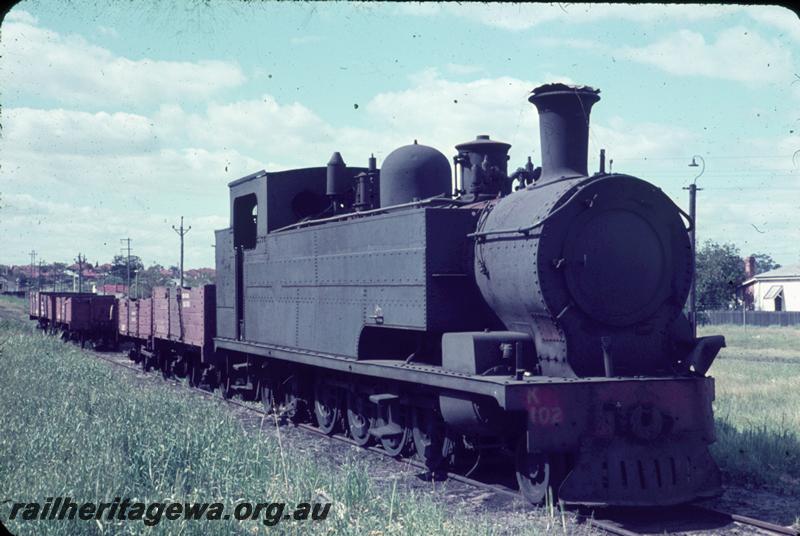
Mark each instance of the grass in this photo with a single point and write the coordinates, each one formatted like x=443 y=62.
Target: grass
x=75 y=426
x=757 y=406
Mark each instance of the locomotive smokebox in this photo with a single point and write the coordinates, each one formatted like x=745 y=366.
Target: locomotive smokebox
x=564 y=128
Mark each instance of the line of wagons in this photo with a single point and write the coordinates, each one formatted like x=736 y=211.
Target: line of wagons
x=172 y=331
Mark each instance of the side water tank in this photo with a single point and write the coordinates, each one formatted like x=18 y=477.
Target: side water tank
x=414 y=172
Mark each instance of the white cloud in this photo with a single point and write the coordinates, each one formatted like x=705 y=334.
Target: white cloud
x=625 y=140
x=522 y=16
x=736 y=54
x=95 y=231
x=75 y=132
x=19 y=15
x=68 y=69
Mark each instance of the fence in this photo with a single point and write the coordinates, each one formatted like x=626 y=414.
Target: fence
x=750 y=318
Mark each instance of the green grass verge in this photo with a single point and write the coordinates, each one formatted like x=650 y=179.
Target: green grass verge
x=757 y=406
x=76 y=426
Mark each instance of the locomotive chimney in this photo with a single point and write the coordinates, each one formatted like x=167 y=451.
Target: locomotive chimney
x=564 y=128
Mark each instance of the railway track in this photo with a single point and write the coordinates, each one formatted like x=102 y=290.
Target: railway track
x=621 y=522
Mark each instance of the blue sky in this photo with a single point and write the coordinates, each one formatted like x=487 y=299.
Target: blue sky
x=118 y=118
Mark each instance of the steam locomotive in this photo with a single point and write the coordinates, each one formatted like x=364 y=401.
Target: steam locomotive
x=537 y=313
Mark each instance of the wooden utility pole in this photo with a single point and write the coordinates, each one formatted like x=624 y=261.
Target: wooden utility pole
x=80 y=260
x=181 y=232
x=128 y=263
x=33 y=264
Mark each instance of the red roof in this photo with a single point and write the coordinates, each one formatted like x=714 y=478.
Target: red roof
x=114 y=289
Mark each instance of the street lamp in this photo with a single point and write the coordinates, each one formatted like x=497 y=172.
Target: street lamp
x=693 y=215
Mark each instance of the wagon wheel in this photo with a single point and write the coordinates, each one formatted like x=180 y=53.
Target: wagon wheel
x=536 y=472
x=165 y=365
x=180 y=366
x=359 y=420
x=195 y=373
x=146 y=362
x=396 y=445
x=431 y=443
x=327 y=407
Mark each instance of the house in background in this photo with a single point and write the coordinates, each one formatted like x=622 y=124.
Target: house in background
x=776 y=290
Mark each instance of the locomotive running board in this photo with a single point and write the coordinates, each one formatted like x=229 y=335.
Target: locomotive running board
x=510 y=394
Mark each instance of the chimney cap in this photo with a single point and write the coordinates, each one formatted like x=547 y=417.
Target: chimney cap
x=483 y=142
x=564 y=89
x=336 y=159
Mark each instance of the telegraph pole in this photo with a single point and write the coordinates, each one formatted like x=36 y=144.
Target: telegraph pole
x=33 y=264
x=39 y=279
x=80 y=260
x=181 y=232
x=128 y=262
x=693 y=189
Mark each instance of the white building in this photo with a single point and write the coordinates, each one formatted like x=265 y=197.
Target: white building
x=776 y=290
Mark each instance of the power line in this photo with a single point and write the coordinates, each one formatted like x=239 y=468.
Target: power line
x=708 y=157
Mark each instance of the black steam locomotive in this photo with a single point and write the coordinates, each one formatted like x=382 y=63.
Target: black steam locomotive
x=538 y=313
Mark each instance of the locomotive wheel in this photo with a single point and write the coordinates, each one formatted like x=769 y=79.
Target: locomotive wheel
x=536 y=472
x=293 y=403
x=267 y=393
x=226 y=384
x=227 y=379
x=431 y=443
x=359 y=421
x=327 y=407
x=396 y=445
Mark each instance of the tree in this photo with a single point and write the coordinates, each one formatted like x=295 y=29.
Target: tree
x=720 y=271
x=149 y=278
x=119 y=267
x=764 y=263
x=198 y=277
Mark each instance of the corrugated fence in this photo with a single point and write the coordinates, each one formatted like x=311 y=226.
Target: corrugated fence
x=750 y=318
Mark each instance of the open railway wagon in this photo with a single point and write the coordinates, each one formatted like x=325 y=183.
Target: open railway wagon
x=136 y=325
x=535 y=316
x=79 y=316
x=173 y=331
